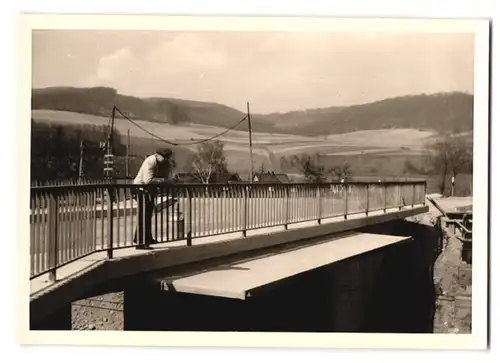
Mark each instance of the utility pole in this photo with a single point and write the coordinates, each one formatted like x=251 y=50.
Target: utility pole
x=128 y=147
x=108 y=157
x=250 y=141
x=80 y=166
x=111 y=131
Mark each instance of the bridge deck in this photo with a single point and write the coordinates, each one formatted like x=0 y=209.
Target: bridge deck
x=74 y=268
x=454 y=205
x=239 y=280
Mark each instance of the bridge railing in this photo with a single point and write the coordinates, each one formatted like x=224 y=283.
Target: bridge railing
x=68 y=223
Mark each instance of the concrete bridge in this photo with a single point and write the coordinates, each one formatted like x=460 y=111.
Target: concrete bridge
x=282 y=257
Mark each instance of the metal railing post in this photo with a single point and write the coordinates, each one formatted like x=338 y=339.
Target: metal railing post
x=162 y=195
x=367 y=198
x=318 y=194
x=287 y=205
x=156 y=197
x=246 y=191
x=400 y=195
x=413 y=197
x=425 y=192
x=385 y=198
x=190 y=207
x=110 y=222
x=178 y=215
x=346 y=200
x=53 y=219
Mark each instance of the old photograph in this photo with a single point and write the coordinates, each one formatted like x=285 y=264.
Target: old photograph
x=256 y=180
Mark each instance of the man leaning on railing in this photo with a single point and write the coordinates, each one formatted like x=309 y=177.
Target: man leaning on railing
x=148 y=175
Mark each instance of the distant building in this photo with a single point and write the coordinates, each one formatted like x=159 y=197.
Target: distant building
x=271 y=177
x=228 y=178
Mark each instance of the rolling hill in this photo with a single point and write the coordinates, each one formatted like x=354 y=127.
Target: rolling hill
x=375 y=138
x=442 y=112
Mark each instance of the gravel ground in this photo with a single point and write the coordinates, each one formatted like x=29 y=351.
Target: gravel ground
x=453 y=280
x=104 y=312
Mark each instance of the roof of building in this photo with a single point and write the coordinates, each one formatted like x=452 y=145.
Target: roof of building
x=271 y=177
x=231 y=177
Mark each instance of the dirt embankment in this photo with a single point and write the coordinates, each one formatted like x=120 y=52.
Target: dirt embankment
x=452 y=281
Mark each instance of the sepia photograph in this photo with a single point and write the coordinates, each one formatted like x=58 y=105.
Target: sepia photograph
x=256 y=176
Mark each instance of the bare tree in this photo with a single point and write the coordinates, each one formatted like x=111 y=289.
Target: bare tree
x=284 y=163
x=341 y=172
x=450 y=155
x=311 y=168
x=208 y=161
x=314 y=171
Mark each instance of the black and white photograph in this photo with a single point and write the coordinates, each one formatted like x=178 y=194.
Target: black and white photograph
x=257 y=176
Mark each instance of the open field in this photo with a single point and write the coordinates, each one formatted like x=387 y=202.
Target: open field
x=280 y=144
x=176 y=133
x=369 y=152
x=381 y=153
x=384 y=138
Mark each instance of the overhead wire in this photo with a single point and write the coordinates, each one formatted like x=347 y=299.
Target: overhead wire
x=176 y=143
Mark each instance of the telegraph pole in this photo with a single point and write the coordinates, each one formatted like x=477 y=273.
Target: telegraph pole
x=108 y=157
x=128 y=147
x=80 y=166
x=111 y=133
x=250 y=141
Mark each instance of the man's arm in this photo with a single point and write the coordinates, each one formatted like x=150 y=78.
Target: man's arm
x=157 y=180
x=150 y=177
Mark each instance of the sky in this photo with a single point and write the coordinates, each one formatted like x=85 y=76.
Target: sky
x=274 y=71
